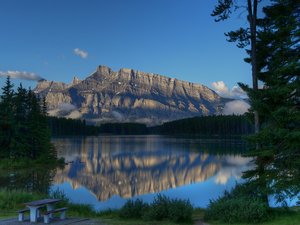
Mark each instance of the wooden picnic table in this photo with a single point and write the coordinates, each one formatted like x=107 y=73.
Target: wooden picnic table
x=35 y=205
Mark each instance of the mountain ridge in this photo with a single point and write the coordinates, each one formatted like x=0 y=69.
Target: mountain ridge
x=129 y=96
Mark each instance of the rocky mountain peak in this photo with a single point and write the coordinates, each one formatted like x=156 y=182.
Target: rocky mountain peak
x=129 y=95
x=75 y=80
x=103 y=70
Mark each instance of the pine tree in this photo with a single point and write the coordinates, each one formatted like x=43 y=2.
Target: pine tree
x=38 y=132
x=278 y=49
x=19 y=143
x=6 y=119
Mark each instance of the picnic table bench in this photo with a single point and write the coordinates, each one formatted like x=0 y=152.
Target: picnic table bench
x=21 y=214
x=34 y=207
x=48 y=214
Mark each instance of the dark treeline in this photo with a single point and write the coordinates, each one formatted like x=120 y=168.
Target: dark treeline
x=124 y=128
x=222 y=126
x=208 y=126
x=24 y=132
x=64 y=126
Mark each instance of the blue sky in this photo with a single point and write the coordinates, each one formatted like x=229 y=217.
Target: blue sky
x=176 y=38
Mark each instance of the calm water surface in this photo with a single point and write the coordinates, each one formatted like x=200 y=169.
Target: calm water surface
x=108 y=170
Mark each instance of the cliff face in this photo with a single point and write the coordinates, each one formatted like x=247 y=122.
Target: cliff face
x=129 y=96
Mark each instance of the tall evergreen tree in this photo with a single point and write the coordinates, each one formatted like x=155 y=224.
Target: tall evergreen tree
x=39 y=134
x=278 y=49
x=6 y=118
x=19 y=143
x=24 y=128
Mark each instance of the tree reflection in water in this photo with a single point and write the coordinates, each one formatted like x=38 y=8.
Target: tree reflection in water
x=29 y=179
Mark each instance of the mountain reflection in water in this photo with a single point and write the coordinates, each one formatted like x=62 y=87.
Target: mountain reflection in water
x=128 y=166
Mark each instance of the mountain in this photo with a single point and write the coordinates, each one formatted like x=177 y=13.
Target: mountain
x=129 y=96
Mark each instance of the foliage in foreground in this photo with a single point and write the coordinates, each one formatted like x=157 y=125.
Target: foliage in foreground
x=242 y=204
x=14 y=199
x=162 y=208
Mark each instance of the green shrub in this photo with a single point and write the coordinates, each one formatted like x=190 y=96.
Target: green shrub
x=109 y=213
x=133 y=209
x=163 y=208
x=180 y=210
x=15 y=199
x=81 y=210
x=240 y=205
x=59 y=194
x=159 y=209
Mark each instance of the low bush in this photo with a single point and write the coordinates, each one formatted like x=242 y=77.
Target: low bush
x=159 y=209
x=133 y=209
x=14 y=199
x=81 y=210
x=162 y=208
x=180 y=210
x=58 y=194
x=108 y=213
x=240 y=205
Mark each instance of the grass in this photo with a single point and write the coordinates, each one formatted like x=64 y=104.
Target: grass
x=138 y=222
x=12 y=200
x=111 y=217
x=279 y=217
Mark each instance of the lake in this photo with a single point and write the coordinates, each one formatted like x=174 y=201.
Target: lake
x=106 y=171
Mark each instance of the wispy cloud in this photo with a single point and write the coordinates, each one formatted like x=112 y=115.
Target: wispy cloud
x=221 y=88
x=237 y=107
x=20 y=75
x=81 y=53
x=65 y=110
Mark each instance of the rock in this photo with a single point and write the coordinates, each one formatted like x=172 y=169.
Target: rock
x=133 y=95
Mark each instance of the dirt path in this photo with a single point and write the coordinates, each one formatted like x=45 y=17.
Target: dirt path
x=200 y=222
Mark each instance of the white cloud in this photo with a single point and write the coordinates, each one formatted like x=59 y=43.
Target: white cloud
x=74 y=115
x=20 y=75
x=81 y=53
x=237 y=107
x=221 y=88
x=66 y=110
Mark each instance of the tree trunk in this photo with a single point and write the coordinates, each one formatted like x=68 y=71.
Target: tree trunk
x=252 y=12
